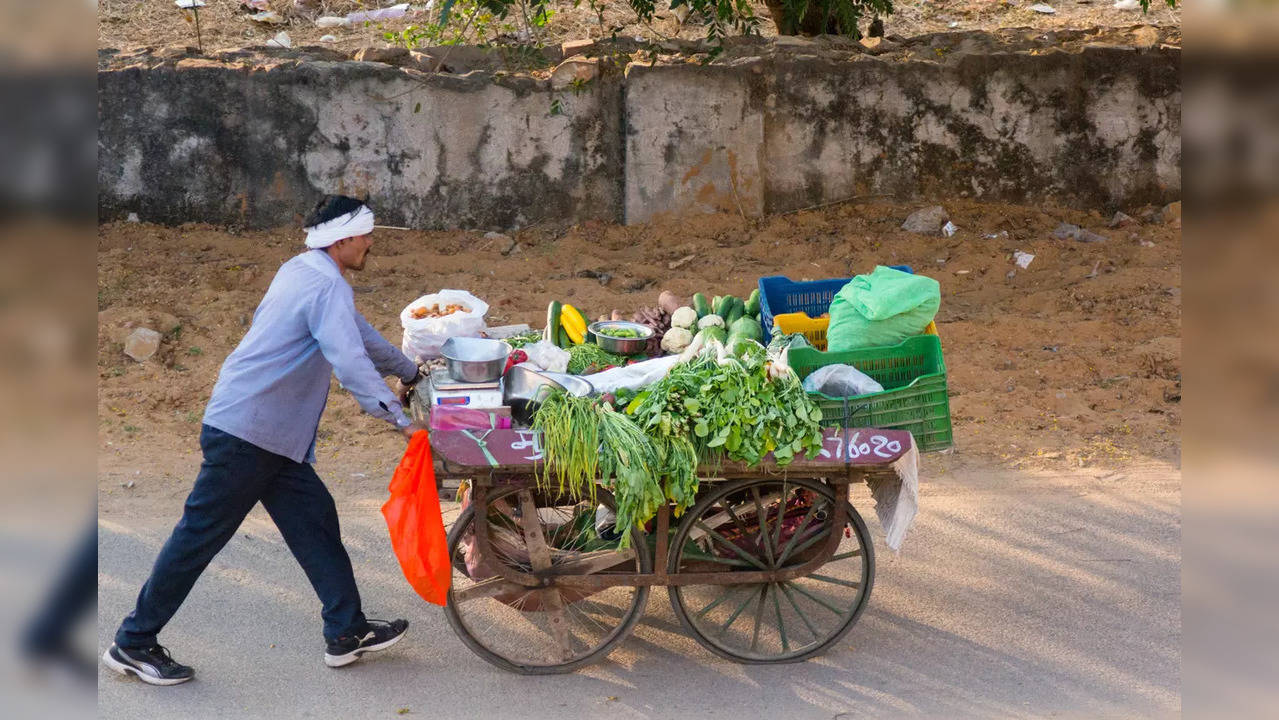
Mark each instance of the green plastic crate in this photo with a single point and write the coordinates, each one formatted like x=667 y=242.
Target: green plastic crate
x=915 y=396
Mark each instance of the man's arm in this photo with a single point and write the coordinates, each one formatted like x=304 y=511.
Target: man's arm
x=331 y=319
x=387 y=359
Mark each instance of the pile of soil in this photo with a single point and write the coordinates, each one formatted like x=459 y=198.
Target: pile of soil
x=1074 y=360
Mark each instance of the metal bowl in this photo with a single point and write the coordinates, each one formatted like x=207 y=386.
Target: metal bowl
x=620 y=346
x=475 y=360
x=524 y=390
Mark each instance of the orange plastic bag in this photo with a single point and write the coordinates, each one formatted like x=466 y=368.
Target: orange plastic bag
x=415 y=523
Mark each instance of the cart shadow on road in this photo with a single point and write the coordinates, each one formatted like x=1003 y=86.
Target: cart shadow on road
x=1015 y=594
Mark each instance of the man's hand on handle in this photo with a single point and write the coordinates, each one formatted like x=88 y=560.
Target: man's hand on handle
x=402 y=389
x=410 y=429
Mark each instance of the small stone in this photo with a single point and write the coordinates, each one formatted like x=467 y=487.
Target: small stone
x=141 y=344
x=793 y=41
x=1171 y=214
x=1066 y=231
x=425 y=62
x=878 y=45
x=328 y=38
x=177 y=51
x=677 y=264
x=1121 y=220
x=577 y=70
x=1145 y=36
x=133 y=218
x=569 y=48
x=1011 y=274
x=388 y=55
x=926 y=221
x=1043 y=9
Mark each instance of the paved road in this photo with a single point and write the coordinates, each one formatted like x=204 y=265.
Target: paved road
x=1015 y=594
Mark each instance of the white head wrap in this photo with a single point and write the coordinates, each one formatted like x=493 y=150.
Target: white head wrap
x=353 y=224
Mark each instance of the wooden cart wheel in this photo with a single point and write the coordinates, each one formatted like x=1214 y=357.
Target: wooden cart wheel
x=541 y=631
x=774 y=622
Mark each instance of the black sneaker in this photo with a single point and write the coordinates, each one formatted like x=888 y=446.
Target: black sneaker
x=154 y=665
x=378 y=635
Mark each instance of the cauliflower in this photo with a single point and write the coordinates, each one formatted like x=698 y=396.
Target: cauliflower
x=685 y=317
x=710 y=321
x=676 y=339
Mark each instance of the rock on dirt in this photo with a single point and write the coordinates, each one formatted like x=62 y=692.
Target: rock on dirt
x=926 y=221
x=1066 y=231
x=388 y=55
x=1121 y=220
x=141 y=344
x=578 y=70
x=505 y=244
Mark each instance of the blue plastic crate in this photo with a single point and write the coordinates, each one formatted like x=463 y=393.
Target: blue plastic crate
x=779 y=294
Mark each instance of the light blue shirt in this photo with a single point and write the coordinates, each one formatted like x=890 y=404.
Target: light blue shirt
x=273 y=387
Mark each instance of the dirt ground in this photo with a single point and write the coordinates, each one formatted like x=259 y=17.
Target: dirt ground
x=224 y=24
x=1072 y=362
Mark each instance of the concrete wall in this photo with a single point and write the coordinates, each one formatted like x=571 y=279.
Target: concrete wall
x=255 y=145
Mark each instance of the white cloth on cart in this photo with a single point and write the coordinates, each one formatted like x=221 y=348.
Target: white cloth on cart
x=897 y=497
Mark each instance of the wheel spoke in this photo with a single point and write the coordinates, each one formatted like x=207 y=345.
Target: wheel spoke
x=781 y=519
x=731 y=546
x=816 y=538
x=836 y=581
x=781 y=624
x=764 y=536
x=728 y=508
x=845 y=556
x=817 y=600
x=799 y=530
x=790 y=597
x=759 y=615
x=727 y=623
x=486 y=588
x=728 y=593
x=699 y=555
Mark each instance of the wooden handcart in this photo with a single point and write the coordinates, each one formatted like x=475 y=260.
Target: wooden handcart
x=769 y=565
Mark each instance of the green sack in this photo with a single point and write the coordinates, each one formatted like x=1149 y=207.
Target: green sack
x=882 y=308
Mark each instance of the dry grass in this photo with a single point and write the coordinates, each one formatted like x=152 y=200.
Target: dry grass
x=224 y=24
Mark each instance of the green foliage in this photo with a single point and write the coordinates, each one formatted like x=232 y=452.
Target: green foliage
x=485 y=22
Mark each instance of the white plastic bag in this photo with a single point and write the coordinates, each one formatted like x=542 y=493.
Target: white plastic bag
x=841 y=381
x=546 y=356
x=635 y=376
x=424 y=337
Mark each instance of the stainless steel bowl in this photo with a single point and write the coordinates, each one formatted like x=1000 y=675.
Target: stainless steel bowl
x=524 y=390
x=617 y=345
x=475 y=359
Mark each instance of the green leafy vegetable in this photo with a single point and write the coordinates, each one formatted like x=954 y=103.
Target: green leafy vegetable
x=589 y=357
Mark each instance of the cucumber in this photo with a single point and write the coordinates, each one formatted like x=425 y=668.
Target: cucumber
x=730 y=302
x=702 y=307
x=717 y=305
x=553 y=322
x=752 y=303
x=733 y=309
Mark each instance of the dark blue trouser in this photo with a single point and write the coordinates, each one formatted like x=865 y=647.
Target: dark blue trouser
x=234 y=477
